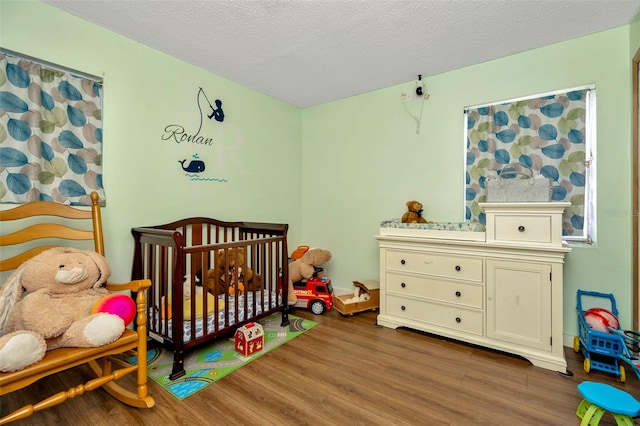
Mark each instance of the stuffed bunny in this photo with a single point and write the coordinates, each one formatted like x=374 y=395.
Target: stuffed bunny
x=62 y=286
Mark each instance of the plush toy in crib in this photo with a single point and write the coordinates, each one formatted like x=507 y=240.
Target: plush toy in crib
x=199 y=300
x=235 y=287
x=62 y=287
x=232 y=282
x=414 y=213
x=230 y=274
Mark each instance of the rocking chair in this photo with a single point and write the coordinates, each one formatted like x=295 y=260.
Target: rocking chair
x=101 y=360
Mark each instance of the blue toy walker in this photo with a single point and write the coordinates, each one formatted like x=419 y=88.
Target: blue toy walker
x=602 y=351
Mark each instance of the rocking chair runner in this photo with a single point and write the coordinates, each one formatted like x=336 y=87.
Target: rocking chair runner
x=101 y=360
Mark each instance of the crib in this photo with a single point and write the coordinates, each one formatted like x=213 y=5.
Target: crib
x=201 y=287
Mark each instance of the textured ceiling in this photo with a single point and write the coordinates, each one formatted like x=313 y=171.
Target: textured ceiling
x=307 y=52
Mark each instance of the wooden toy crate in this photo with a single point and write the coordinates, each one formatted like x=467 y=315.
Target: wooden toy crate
x=369 y=286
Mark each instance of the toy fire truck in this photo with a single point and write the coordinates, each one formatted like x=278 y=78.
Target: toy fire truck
x=315 y=294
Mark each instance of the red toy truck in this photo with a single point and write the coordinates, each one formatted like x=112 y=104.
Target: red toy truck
x=315 y=294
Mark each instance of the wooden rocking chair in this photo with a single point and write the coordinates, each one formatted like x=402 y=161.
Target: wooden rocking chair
x=101 y=360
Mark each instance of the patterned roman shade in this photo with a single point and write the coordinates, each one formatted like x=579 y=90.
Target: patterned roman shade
x=50 y=134
x=547 y=134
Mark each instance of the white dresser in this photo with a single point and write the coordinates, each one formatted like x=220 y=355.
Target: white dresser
x=502 y=290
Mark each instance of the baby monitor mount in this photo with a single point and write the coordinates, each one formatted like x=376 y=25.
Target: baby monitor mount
x=419 y=93
x=419 y=86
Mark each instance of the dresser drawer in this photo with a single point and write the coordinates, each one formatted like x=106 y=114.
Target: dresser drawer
x=534 y=224
x=433 y=313
x=459 y=293
x=523 y=228
x=455 y=267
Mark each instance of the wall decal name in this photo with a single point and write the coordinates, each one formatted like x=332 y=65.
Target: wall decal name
x=178 y=133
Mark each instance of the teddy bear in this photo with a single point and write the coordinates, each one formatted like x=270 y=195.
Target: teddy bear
x=231 y=275
x=62 y=286
x=414 y=215
x=304 y=268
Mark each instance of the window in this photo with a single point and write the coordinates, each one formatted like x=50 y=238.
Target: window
x=554 y=135
x=51 y=133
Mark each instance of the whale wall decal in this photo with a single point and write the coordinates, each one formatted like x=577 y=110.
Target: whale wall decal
x=195 y=166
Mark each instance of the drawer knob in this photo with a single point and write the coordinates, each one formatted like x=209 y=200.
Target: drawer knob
x=458 y=319
x=458 y=294
x=403 y=261
x=404 y=308
x=521 y=228
x=458 y=268
x=403 y=285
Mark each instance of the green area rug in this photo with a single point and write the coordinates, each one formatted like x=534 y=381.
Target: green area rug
x=211 y=363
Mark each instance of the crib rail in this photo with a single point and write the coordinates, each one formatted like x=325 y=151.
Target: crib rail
x=191 y=264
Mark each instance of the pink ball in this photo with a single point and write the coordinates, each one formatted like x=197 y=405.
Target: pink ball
x=116 y=304
x=599 y=319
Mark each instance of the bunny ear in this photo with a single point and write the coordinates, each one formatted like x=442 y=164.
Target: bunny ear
x=10 y=293
x=103 y=267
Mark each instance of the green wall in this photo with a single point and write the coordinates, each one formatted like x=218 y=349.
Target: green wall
x=256 y=148
x=337 y=169
x=363 y=159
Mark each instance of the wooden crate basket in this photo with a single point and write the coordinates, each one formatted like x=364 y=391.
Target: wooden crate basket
x=345 y=304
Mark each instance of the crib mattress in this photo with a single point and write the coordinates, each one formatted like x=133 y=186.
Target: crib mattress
x=267 y=304
x=467 y=231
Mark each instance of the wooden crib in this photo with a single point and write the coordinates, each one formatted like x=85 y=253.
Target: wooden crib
x=198 y=276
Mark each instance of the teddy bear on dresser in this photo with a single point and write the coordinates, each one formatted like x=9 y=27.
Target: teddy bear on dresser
x=63 y=285
x=231 y=275
x=414 y=213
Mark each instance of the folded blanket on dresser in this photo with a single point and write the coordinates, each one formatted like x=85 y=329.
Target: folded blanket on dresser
x=440 y=226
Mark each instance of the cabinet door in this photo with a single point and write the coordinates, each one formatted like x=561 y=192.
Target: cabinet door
x=519 y=303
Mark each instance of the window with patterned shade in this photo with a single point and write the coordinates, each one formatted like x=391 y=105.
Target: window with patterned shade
x=50 y=133
x=553 y=134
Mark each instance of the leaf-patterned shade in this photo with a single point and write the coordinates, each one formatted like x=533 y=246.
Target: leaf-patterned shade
x=50 y=134
x=546 y=134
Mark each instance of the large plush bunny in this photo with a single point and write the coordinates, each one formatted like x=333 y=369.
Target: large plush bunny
x=62 y=286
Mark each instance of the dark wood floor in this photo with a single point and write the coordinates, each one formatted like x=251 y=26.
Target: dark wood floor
x=348 y=371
